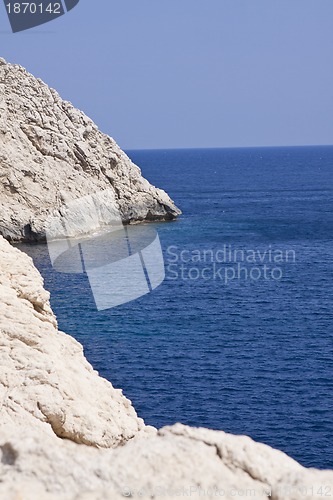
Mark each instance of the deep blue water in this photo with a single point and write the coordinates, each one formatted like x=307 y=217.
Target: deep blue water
x=254 y=356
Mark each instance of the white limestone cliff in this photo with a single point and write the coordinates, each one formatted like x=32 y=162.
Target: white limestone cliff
x=66 y=433
x=52 y=153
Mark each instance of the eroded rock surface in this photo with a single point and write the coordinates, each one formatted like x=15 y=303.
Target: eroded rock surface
x=52 y=153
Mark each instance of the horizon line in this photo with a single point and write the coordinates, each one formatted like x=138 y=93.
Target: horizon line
x=228 y=147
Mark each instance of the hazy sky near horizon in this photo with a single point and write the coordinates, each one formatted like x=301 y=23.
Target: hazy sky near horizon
x=190 y=73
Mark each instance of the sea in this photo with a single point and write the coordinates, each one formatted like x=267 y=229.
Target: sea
x=239 y=336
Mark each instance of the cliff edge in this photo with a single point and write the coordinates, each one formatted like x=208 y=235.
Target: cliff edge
x=52 y=153
x=66 y=433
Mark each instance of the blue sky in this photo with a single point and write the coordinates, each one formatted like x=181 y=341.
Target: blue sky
x=190 y=73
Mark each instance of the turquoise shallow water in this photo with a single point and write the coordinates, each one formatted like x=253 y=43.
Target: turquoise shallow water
x=253 y=355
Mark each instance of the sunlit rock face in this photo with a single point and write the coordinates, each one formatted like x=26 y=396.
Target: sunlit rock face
x=52 y=153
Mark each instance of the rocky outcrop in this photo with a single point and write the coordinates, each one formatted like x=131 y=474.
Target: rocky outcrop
x=178 y=462
x=52 y=153
x=66 y=433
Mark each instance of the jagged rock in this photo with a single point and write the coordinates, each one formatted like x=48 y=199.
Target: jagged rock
x=67 y=434
x=52 y=153
x=178 y=462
